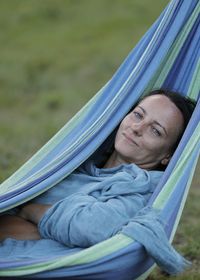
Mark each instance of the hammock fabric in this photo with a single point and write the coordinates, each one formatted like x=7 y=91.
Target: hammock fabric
x=167 y=56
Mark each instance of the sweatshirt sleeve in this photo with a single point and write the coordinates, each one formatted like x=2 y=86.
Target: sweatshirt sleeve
x=83 y=220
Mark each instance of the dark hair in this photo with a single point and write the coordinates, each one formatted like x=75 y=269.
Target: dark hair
x=185 y=104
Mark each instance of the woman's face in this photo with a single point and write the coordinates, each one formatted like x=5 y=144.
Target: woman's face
x=146 y=135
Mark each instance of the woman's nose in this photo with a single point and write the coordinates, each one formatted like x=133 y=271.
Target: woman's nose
x=138 y=128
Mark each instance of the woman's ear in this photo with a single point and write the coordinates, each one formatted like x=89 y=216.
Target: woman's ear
x=166 y=160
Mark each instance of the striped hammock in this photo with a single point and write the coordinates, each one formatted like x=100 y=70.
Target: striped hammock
x=167 y=56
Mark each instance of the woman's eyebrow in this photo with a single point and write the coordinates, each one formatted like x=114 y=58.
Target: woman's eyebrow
x=156 y=122
x=142 y=109
x=161 y=127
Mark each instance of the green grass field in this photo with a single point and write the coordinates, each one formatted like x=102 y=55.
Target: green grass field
x=54 y=56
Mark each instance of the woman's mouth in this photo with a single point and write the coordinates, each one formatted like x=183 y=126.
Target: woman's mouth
x=129 y=139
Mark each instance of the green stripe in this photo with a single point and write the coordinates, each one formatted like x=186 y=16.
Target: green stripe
x=195 y=83
x=165 y=67
x=183 y=201
x=91 y=254
x=146 y=273
x=55 y=140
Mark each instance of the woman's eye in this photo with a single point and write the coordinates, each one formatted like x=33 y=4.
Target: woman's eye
x=137 y=115
x=156 y=131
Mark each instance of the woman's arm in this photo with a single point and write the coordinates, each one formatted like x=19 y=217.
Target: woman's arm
x=33 y=212
x=17 y=228
x=83 y=220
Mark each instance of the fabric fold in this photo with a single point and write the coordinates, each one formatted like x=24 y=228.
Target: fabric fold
x=148 y=229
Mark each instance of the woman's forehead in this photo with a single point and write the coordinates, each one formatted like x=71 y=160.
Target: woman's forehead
x=159 y=102
x=160 y=108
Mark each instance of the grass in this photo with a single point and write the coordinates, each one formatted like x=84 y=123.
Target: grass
x=54 y=56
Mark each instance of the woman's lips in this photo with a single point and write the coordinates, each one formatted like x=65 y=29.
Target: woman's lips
x=130 y=139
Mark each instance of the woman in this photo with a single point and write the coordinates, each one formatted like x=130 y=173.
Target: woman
x=94 y=203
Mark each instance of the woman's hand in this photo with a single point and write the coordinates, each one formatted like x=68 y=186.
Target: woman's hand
x=33 y=212
x=23 y=226
x=17 y=228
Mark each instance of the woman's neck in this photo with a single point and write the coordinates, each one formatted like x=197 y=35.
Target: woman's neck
x=113 y=160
